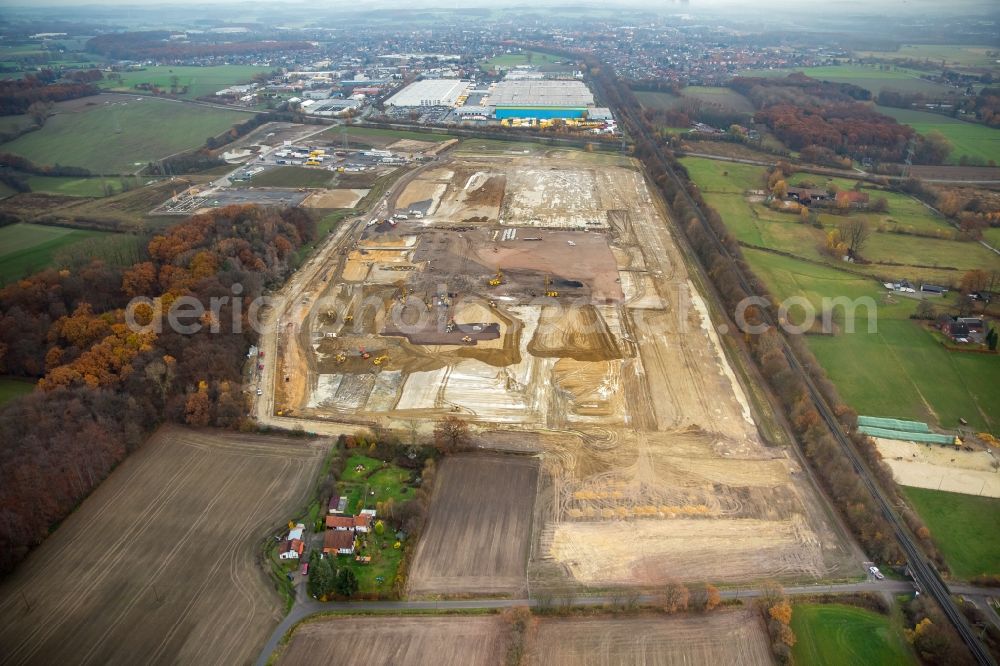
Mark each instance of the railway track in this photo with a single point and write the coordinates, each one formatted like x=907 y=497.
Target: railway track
x=923 y=572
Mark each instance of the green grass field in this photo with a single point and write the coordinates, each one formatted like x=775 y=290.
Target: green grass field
x=381 y=136
x=952 y=54
x=74 y=187
x=834 y=634
x=870 y=78
x=963 y=526
x=201 y=81
x=975 y=141
x=120 y=136
x=11 y=388
x=898 y=371
x=723 y=185
x=293 y=177
x=27 y=248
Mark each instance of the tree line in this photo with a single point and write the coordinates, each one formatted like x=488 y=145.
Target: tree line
x=17 y=95
x=156 y=45
x=102 y=386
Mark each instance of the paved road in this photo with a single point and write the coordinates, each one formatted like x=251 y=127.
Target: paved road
x=303 y=610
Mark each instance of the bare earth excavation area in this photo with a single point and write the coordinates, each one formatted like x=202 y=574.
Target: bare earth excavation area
x=545 y=300
x=139 y=573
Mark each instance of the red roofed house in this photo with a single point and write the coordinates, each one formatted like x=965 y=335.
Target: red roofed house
x=338 y=542
x=363 y=523
x=340 y=523
x=291 y=550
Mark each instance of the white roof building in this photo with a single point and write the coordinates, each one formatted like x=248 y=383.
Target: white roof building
x=430 y=92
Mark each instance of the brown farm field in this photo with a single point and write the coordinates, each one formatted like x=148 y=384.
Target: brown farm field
x=393 y=641
x=479 y=528
x=159 y=564
x=734 y=638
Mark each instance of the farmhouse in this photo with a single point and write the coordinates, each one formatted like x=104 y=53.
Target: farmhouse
x=340 y=523
x=291 y=550
x=807 y=195
x=337 y=542
x=965 y=329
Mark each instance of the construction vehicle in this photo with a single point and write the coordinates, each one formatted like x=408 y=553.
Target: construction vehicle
x=493 y=303
x=497 y=279
x=312 y=163
x=467 y=339
x=348 y=319
x=379 y=360
x=365 y=354
x=450 y=326
x=551 y=293
x=340 y=357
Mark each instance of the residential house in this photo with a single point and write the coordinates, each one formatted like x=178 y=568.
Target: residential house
x=807 y=195
x=296 y=532
x=291 y=549
x=338 y=542
x=363 y=522
x=340 y=523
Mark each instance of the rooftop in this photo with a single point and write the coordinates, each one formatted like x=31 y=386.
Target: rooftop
x=430 y=92
x=541 y=93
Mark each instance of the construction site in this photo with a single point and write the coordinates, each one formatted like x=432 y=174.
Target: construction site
x=543 y=299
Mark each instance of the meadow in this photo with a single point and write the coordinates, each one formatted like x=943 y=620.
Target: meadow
x=292 y=176
x=951 y=54
x=200 y=81
x=868 y=77
x=834 y=634
x=964 y=527
x=27 y=248
x=12 y=387
x=900 y=370
x=113 y=134
x=978 y=142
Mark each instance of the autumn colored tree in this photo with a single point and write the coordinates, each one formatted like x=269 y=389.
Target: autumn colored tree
x=451 y=434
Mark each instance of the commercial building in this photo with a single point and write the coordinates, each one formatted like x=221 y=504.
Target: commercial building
x=430 y=92
x=542 y=99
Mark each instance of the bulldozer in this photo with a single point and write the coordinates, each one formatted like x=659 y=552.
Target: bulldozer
x=497 y=279
x=379 y=360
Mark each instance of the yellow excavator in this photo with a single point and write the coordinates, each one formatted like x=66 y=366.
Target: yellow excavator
x=552 y=293
x=340 y=358
x=379 y=360
x=497 y=279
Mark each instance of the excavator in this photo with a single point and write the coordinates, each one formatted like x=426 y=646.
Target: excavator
x=552 y=293
x=340 y=357
x=467 y=339
x=379 y=360
x=496 y=280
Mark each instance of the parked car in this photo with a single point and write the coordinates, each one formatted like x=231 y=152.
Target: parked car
x=305 y=569
x=875 y=572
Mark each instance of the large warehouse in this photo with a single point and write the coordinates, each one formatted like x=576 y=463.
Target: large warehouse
x=540 y=99
x=430 y=92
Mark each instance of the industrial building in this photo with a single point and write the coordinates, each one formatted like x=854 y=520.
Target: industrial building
x=430 y=92
x=542 y=99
